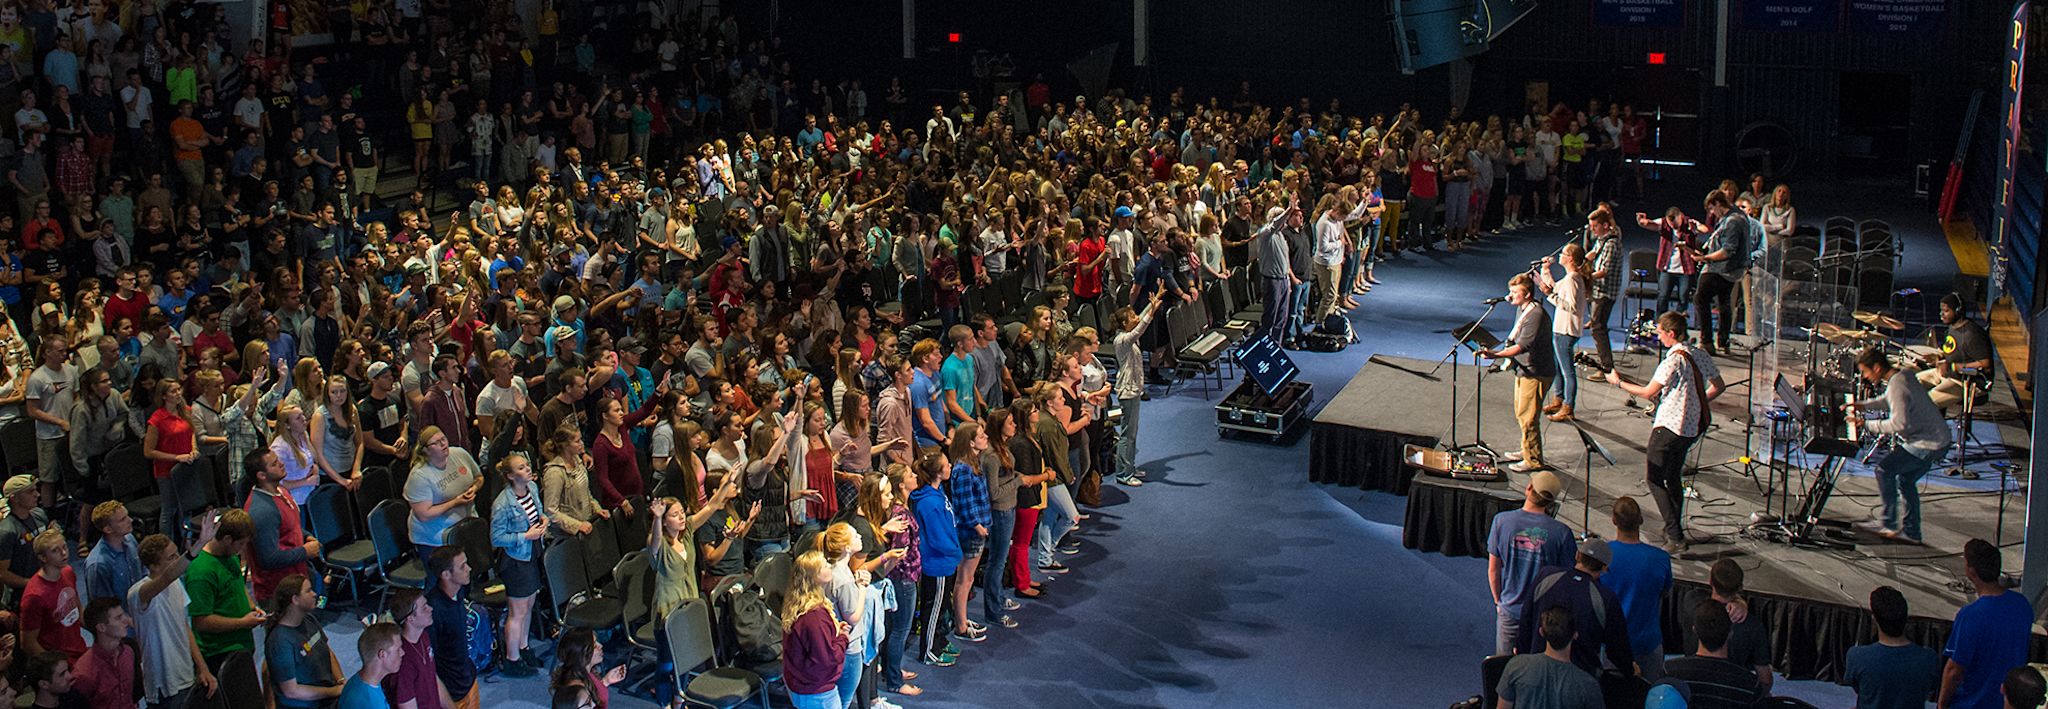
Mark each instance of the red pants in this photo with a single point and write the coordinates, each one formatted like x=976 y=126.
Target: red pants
x=1020 y=548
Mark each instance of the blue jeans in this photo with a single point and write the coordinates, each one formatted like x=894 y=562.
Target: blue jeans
x=1567 y=382
x=1297 y=310
x=1371 y=246
x=1348 y=276
x=1057 y=519
x=1898 y=475
x=896 y=626
x=758 y=550
x=1127 y=444
x=1001 y=527
x=1671 y=287
x=849 y=678
x=828 y=699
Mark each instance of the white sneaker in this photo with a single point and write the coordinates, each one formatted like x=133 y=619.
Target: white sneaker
x=883 y=703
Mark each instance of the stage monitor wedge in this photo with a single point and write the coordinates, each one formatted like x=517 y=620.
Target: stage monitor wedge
x=1432 y=32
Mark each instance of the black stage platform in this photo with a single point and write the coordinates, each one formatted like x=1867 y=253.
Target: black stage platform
x=1813 y=597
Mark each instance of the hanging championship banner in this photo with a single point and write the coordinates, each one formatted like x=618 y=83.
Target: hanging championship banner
x=1639 y=13
x=1791 y=15
x=1898 y=16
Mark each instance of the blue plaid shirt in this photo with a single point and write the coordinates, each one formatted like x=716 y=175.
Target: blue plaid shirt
x=969 y=492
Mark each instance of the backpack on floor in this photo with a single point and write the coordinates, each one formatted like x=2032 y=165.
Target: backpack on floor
x=752 y=632
x=1320 y=341
x=1338 y=325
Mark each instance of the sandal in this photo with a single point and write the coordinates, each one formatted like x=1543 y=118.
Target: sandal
x=909 y=675
x=908 y=690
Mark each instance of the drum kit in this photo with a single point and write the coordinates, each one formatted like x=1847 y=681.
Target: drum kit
x=1837 y=361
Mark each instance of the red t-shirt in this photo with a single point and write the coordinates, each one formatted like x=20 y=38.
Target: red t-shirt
x=414 y=680
x=219 y=339
x=130 y=307
x=1088 y=279
x=1422 y=179
x=50 y=610
x=173 y=435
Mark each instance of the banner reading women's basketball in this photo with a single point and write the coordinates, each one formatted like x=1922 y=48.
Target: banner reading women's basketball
x=1639 y=13
x=1898 y=16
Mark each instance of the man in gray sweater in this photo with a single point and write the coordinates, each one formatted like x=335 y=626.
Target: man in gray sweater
x=1923 y=439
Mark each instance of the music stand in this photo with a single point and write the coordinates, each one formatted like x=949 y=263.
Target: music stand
x=1593 y=448
x=1475 y=337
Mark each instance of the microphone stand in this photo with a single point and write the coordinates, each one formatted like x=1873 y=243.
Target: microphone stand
x=1593 y=448
x=1459 y=338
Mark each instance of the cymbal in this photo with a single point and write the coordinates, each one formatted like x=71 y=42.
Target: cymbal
x=1877 y=318
x=1841 y=335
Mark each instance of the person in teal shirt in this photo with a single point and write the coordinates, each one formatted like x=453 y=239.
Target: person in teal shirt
x=381 y=650
x=956 y=377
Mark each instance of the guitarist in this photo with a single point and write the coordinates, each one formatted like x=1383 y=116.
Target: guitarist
x=1689 y=381
x=1534 y=366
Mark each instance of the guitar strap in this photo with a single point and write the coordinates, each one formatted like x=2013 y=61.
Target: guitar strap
x=1696 y=380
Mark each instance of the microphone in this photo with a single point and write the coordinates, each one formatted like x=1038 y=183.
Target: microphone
x=1496 y=300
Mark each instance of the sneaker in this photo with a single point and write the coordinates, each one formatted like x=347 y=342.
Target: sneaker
x=1006 y=621
x=883 y=703
x=972 y=635
x=976 y=627
x=1527 y=467
x=1011 y=604
x=1129 y=481
x=937 y=660
x=1070 y=549
x=1053 y=568
x=516 y=669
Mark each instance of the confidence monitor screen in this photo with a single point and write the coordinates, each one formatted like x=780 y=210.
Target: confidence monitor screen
x=1266 y=363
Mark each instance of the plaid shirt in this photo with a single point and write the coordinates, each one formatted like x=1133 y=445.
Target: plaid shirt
x=1607 y=257
x=969 y=491
x=74 y=172
x=247 y=430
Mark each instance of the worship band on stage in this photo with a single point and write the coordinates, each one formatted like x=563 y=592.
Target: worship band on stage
x=1908 y=390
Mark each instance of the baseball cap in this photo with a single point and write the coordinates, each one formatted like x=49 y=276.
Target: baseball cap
x=1275 y=213
x=564 y=302
x=1597 y=550
x=561 y=331
x=415 y=268
x=15 y=485
x=1123 y=212
x=729 y=241
x=631 y=345
x=378 y=369
x=1545 y=483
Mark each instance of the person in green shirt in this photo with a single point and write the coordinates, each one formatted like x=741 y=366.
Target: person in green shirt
x=223 y=618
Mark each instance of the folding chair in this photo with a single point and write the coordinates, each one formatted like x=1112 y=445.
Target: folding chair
x=689 y=643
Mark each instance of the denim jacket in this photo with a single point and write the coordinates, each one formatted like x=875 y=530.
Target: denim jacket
x=509 y=523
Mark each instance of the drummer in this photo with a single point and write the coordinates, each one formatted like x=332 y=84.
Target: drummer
x=1966 y=347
